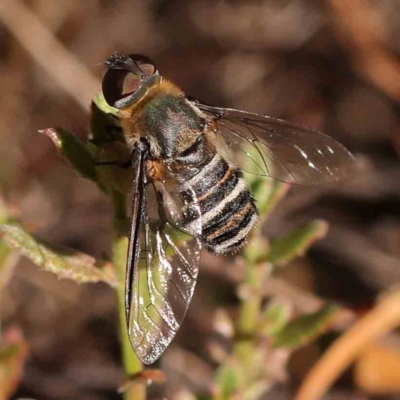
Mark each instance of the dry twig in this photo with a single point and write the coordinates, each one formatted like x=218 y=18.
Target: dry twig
x=48 y=52
x=362 y=30
x=383 y=318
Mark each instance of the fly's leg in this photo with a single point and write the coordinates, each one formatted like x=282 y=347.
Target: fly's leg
x=115 y=163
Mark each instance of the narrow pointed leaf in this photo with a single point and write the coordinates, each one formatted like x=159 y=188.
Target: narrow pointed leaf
x=103 y=106
x=274 y=318
x=303 y=329
x=74 y=151
x=268 y=194
x=64 y=263
x=296 y=243
x=227 y=381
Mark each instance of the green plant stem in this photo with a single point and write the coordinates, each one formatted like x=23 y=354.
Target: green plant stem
x=249 y=312
x=131 y=363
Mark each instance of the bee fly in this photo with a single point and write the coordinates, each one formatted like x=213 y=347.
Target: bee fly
x=187 y=183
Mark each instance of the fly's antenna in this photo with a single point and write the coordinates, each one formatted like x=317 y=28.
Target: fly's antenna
x=116 y=60
x=122 y=61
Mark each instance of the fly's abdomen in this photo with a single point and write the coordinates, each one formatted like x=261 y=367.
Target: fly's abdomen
x=227 y=207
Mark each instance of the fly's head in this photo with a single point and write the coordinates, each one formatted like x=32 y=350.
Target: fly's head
x=128 y=79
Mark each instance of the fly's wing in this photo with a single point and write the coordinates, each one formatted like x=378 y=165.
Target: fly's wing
x=281 y=150
x=162 y=265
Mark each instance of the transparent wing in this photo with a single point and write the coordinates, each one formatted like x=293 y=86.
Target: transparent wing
x=278 y=149
x=162 y=267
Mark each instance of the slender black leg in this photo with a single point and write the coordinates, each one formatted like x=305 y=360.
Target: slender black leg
x=139 y=155
x=124 y=165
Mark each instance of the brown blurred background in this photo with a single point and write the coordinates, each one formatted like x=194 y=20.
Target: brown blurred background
x=332 y=65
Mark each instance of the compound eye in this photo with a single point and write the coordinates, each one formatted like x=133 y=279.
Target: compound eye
x=144 y=63
x=118 y=84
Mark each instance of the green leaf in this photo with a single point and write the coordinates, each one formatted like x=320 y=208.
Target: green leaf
x=303 y=329
x=103 y=106
x=256 y=251
x=283 y=250
x=267 y=192
x=74 y=151
x=104 y=123
x=64 y=263
x=228 y=381
x=273 y=319
x=108 y=144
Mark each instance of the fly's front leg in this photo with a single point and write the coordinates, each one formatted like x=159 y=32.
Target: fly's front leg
x=139 y=156
x=115 y=154
x=115 y=163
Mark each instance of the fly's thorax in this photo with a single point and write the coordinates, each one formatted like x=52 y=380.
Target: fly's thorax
x=136 y=118
x=172 y=124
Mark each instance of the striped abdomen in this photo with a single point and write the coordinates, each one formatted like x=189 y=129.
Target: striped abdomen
x=227 y=207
